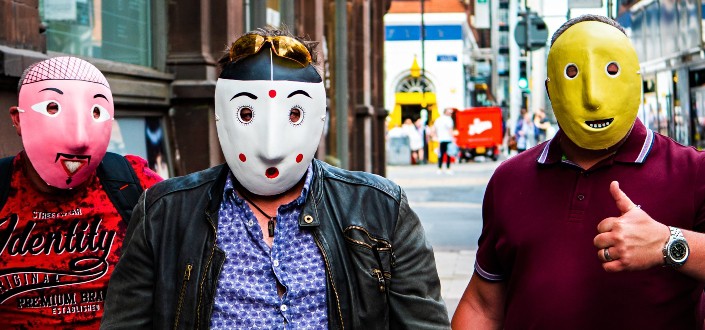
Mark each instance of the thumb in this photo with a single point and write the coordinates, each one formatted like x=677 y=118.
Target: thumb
x=624 y=204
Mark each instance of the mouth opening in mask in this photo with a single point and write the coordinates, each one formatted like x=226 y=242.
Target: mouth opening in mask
x=272 y=172
x=602 y=123
x=72 y=163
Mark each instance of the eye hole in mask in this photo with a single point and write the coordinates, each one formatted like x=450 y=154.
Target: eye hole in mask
x=612 y=69
x=49 y=108
x=245 y=115
x=571 y=71
x=100 y=114
x=296 y=115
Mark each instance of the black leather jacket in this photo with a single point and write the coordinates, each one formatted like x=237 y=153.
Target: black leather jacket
x=381 y=270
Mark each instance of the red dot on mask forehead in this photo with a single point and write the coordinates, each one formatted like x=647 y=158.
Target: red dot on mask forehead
x=243 y=158
x=299 y=158
x=272 y=93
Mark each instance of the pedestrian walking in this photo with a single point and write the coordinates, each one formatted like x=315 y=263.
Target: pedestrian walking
x=524 y=131
x=415 y=142
x=65 y=201
x=274 y=239
x=443 y=128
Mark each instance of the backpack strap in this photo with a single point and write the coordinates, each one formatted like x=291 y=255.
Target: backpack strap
x=120 y=182
x=5 y=178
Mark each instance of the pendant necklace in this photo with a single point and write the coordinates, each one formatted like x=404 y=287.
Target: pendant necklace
x=270 y=223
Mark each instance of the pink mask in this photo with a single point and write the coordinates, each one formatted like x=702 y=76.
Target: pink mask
x=269 y=130
x=66 y=112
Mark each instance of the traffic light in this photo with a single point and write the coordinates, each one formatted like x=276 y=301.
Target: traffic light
x=523 y=78
x=537 y=33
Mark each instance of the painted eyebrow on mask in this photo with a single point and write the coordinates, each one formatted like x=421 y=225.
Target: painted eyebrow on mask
x=100 y=95
x=298 y=92
x=250 y=95
x=53 y=90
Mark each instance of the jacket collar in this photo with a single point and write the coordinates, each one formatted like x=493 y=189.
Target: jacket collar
x=215 y=194
x=634 y=150
x=310 y=216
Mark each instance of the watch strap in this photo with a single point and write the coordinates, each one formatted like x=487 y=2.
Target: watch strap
x=676 y=233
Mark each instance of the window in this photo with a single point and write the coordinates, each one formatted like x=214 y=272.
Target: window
x=415 y=85
x=271 y=12
x=116 y=30
x=144 y=137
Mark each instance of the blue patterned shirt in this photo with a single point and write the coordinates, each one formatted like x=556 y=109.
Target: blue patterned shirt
x=246 y=297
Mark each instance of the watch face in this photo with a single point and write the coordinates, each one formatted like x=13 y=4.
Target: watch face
x=678 y=251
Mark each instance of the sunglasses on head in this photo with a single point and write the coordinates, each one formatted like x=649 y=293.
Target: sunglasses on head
x=282 y=46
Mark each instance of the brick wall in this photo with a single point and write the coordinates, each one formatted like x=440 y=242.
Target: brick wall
x=24 y=30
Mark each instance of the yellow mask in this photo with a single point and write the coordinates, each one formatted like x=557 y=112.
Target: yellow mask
x=594 y=84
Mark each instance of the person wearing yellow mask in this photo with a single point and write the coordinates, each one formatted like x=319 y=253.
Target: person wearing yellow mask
x=577 y=229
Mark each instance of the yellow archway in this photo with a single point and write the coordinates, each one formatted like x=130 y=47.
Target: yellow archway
x=425 y=100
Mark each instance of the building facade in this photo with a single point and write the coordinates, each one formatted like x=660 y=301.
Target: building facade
x=444 y=55
x=668 y=37
x=427 y=73
x=160 y=60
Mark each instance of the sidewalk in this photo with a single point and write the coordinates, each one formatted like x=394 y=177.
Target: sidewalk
x=454 y=269
x=449 y=207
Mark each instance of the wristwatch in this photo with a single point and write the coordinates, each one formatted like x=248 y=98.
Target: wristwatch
x=676 y=250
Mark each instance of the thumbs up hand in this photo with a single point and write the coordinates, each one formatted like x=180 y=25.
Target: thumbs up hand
x=631 y=241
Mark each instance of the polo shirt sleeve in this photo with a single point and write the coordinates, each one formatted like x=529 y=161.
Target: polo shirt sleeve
x=699 y=196
x=487 y=262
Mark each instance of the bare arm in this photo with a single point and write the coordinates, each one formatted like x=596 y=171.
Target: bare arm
x=695 y=266
x=482 y=305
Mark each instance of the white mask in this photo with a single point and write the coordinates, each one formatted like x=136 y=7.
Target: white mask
x=269 y=130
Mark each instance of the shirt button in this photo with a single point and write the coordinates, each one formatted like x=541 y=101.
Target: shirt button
x=283 y=308
x=250 y=223
x=581 y=197
x=275 y=263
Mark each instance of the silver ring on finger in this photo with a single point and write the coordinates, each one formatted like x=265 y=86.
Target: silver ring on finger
x=606 y=254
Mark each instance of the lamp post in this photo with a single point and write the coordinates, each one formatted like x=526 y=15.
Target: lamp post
x=423 y=59
x=341 y=81
x=424 y=111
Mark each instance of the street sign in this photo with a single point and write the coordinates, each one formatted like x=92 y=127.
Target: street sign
x=446 y=58
x=537 y=34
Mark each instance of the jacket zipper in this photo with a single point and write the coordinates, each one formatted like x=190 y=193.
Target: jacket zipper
x=393 y=260
x=380 y=279
x=330 y=278
x=380 y=273
x=187 y=277
x=386 y=244
x=205 y=268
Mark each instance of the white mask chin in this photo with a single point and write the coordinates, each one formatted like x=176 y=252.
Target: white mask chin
x=269 y=130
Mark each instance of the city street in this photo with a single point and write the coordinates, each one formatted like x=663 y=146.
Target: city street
x=449 y=207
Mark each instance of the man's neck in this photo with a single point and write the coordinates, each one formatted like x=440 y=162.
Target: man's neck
x=586 y=158
x=273 y=202
x=38 y=183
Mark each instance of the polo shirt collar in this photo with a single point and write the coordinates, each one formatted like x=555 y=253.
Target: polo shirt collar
x=634 y=150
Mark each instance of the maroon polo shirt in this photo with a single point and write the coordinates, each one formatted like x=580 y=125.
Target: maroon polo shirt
x=540 y=216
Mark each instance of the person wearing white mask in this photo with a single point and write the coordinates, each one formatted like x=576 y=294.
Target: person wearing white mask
x=274 y=238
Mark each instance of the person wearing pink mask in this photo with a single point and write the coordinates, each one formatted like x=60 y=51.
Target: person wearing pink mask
x=64 y=201
x=274 y=239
